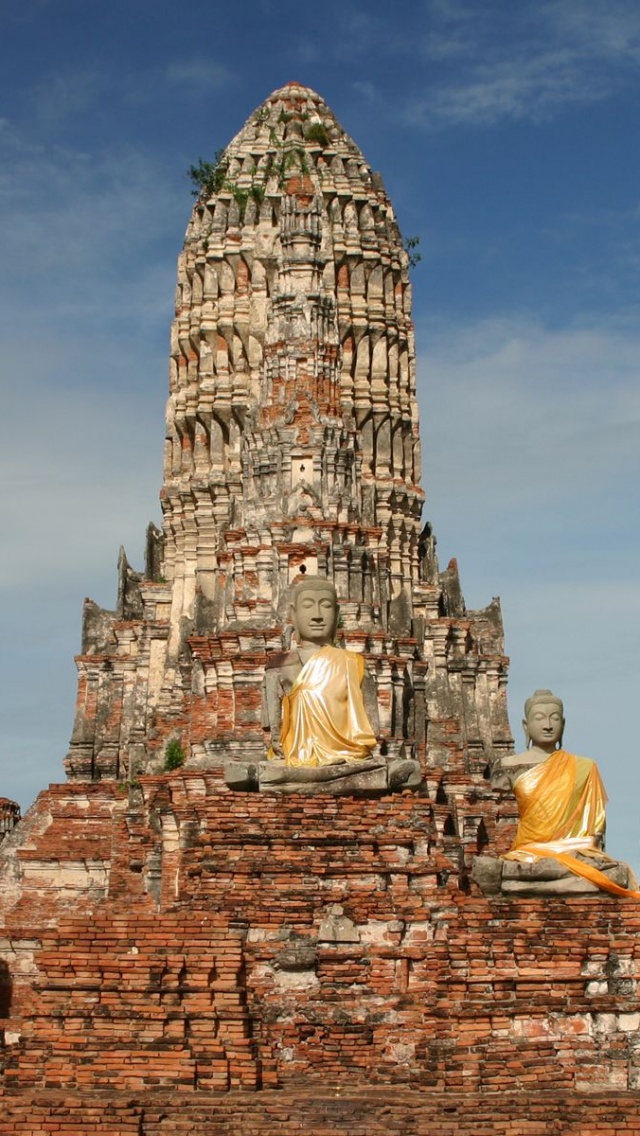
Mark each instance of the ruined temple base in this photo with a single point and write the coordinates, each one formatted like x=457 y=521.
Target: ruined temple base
x=354 y=1111
x=189 y=960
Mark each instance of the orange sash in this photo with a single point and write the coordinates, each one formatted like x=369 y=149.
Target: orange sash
x=561 y=803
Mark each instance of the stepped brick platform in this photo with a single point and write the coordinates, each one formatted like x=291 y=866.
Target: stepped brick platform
x=205 y=960
x=319 y=1112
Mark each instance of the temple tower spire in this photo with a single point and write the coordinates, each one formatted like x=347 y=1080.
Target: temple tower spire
x=292 y=429
x=292 y=447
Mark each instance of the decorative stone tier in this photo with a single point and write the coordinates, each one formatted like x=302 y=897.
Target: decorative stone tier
x=441 y=692
x=203 y=939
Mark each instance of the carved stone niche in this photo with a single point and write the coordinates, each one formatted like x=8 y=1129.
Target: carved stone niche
x=368 y=778
x=545 y=877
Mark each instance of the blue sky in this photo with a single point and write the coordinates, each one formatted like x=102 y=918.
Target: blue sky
x=506 y=134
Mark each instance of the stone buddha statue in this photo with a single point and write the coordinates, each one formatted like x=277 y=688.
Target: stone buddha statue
x=320 y=713
x=561 y=805
x=320 y=704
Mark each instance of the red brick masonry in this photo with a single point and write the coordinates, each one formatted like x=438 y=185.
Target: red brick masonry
x=169 y=953
x=394 y=1111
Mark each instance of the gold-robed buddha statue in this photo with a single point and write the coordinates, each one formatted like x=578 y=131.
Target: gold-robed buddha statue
x=320 y=714
x=561 y=799
x=320 y=707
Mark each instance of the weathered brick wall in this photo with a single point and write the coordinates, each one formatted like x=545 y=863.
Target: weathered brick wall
x=443 y=988
x=319 y=1112
x=209 y=960
x=136 y=999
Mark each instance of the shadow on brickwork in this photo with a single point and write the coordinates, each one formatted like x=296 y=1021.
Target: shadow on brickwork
x=5 y=991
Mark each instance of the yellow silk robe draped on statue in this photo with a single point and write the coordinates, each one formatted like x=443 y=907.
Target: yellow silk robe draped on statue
x=324 y=720
x=561 y=803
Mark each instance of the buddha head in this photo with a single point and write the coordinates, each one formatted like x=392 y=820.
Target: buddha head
x=543 y=721
x=314 y=611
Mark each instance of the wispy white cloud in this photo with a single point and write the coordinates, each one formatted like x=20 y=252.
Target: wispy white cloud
x=84 y=468
x=362 y=34
x=560 y=410
x=532 y=455
x=60 y=96
x=524 y=89
x=57 y=97
x=73 y=223
x=604 y=261
x=366 y=90
x=304 y=51
x=85 y=302
x=529 y=62
x=199 y=73
x=611 y=30
x=88 y=456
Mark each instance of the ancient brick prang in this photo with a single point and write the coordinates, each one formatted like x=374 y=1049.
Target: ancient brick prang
x=292 y=447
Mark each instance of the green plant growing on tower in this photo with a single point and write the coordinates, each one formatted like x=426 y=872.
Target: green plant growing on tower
x=241 y=197
x=209 y=177
x=174 y=755
x=410 y=246
x=316 y=132
x=290 y=160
